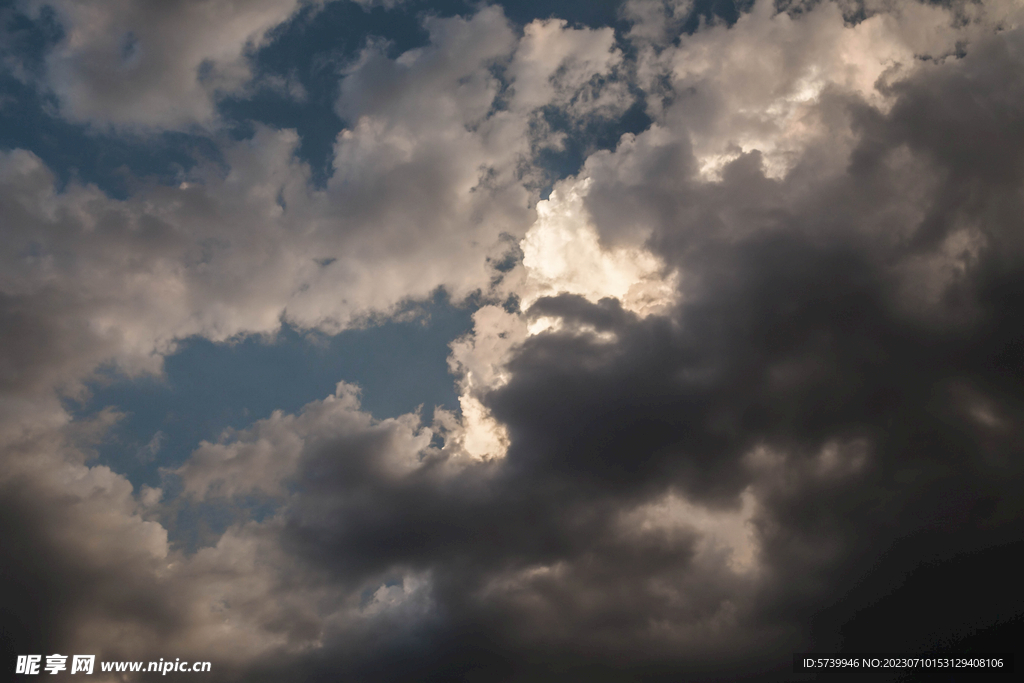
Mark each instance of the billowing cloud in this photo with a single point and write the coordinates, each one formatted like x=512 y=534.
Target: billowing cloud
x=744 y=385
x=154 y=65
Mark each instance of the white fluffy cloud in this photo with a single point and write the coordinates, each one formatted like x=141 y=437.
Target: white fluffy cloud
x=426 y=183
x=757 y=84
x=154 y=65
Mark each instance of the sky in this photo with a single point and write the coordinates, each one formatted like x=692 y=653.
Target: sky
x=410 y=340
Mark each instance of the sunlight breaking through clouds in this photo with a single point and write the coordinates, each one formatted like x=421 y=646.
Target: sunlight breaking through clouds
x=562 y=254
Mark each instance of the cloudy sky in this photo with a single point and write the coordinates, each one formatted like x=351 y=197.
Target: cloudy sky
x=547 y=340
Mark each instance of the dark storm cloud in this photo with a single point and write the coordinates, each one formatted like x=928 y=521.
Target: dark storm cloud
x=69 y=563
x=882 y=443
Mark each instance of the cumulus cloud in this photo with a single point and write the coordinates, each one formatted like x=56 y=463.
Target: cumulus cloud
x=554 y=65
x=750 y=384
x=731 y=102
x=425 y=189
x=154 y=65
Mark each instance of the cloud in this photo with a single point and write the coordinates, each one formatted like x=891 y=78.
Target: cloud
x=554 y=65
x=91 y=568
x=154 y=65
x=365 y=499
x=752 y=388
x=425 y=189
x=731 y=104
x=562 y=254
x=149 y=452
